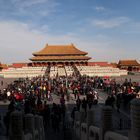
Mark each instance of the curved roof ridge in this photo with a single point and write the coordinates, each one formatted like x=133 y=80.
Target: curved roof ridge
x=128 y=60
x=59 y=49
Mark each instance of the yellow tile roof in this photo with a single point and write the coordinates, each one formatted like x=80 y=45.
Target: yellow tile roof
x=59 y=50
x=128 y=63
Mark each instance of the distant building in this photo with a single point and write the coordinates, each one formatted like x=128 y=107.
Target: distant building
x=19 y=65
x=0 y=66
x=3 y=66
x=114 y=65
x=101 y=64
x=130 y=65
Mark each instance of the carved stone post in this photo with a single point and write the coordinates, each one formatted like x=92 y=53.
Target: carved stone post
x=16 y=126
x=38 y=126
x=90 y=117
x=106 y=121
x=77 y=116
x=82 y=116
x=42 y=127
x=29 y=124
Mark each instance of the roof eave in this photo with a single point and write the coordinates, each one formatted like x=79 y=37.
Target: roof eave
x=41 y=54
x=32 y=59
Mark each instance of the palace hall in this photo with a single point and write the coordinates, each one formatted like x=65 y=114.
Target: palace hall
x=59 y=55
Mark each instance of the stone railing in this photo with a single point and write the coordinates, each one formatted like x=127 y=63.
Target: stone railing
x=88 y=131
x=33 y=127
x=100 y=71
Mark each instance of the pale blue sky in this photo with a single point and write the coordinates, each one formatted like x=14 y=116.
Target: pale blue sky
x=108 y=29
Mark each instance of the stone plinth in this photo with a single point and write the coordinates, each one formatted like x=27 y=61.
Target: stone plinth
x=90 y=117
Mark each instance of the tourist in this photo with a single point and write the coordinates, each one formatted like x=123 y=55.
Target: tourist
x=46 y=112
x=84 y=104
x=108 y=101
x=55 y=117
x=62 y=100
x=95 y=98
x=27 y=107
x=78 y=103
x=11 y=108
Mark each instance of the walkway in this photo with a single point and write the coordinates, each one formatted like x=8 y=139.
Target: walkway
x=66 y=134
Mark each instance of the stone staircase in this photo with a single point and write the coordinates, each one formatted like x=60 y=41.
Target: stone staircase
x=47 y=72
x=76 y=71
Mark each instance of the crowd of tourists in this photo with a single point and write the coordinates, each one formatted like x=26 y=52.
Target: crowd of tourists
x=120 y=94
x=42 y=88
x=32 y=95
